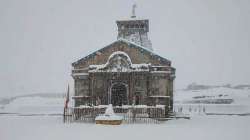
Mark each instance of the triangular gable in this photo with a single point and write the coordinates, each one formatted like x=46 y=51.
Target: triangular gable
x=130 y=44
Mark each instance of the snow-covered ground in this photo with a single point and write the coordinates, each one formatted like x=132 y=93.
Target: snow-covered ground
x=197 y=128
x=208 y=120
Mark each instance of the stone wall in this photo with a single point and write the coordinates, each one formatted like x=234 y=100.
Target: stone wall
x=143 y=85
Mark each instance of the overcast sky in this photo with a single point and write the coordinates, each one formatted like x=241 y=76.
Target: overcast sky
x=208 y=41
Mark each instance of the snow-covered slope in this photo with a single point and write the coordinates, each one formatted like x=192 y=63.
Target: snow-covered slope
x=34 y=105
x=213 y=100
x=238 y=96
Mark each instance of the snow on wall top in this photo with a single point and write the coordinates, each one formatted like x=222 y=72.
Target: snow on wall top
x=118 y=62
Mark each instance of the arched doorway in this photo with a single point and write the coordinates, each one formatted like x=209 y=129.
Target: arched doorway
x=119 y=94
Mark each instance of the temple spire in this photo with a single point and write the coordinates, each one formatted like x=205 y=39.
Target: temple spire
x=134 y=30
x=133 y=11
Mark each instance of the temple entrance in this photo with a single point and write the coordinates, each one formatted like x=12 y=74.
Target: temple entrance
x=119 y=94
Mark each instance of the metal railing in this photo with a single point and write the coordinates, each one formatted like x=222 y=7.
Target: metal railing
x=148 y=114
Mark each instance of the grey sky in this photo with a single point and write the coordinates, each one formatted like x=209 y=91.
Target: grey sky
x=208 y=41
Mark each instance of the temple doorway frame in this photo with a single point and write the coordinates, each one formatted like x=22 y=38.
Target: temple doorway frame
x=110 y=91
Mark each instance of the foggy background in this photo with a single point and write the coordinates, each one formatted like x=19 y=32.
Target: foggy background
x=208 y=41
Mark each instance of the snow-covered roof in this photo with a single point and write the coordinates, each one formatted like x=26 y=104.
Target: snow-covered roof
x=125 y=41
x=137 y=45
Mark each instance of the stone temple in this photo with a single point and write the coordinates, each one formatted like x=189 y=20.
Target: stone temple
x=126 y=72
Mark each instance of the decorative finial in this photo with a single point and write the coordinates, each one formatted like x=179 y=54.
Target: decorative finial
x=133 y=11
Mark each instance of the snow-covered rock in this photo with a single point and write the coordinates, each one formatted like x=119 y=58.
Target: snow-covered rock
x=108 y=115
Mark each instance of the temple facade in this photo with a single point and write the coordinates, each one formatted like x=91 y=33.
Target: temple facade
x=125 y=72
